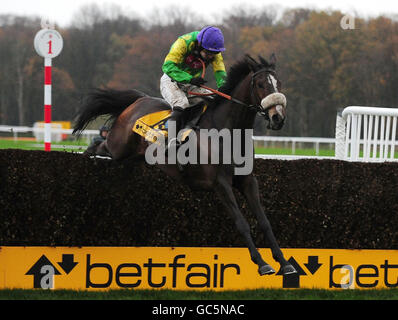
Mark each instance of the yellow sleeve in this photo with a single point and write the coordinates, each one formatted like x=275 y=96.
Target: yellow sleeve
x=174 y=59
x=219 y=70
x=177 y=51
x=218 y=63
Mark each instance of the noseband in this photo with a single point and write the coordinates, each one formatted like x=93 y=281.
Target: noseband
x=257 y=107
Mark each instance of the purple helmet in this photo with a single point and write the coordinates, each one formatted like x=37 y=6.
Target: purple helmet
x=212 y=39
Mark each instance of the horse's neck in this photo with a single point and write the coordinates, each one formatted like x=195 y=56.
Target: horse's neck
x=231 y=115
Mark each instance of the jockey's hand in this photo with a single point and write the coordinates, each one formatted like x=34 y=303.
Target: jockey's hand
x=197 y=81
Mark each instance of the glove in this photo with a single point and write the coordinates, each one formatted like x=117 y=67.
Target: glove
x=197 y=81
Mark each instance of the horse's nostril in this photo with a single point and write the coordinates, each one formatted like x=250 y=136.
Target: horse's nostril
x=276 y=118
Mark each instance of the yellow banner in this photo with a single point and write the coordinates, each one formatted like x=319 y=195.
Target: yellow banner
x=101 y=268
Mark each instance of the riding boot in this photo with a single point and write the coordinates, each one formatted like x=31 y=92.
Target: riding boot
x=176 y=116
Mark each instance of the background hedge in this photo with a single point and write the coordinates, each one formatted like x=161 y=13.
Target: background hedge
x=65 y=199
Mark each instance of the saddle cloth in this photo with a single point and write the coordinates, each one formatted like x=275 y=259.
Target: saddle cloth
x=154 y=125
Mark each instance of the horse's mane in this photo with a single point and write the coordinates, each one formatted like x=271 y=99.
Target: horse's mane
x=238 y=71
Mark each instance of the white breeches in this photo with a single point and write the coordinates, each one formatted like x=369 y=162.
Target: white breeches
x=177 y=94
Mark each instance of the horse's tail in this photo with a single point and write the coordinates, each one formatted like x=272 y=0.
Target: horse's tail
x=104 y=102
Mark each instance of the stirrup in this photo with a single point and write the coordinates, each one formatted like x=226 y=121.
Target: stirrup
x=173 y=142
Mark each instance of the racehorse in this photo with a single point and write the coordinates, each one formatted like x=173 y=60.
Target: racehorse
x=253 y=87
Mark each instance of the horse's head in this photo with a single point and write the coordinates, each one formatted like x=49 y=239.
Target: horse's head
x=265 y=90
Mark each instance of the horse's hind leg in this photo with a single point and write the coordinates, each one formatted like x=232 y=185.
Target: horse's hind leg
x=227 y=197
x=248 y=186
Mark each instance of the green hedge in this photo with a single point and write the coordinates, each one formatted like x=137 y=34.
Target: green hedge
x=67 y=199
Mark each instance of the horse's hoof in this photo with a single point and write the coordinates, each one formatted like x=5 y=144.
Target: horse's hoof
x=288 y=269
x=266 y=270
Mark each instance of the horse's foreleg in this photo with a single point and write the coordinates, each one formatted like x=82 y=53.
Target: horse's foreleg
x=227 y=197
x=248 y=186
x=97 y=149
x=102 y=150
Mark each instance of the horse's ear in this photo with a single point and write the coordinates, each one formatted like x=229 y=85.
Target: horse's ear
x=263 y=61
x=272 y=59
x=253 y=65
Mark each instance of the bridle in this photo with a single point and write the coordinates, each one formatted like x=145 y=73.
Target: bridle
x=261 y=110
x=253 y=94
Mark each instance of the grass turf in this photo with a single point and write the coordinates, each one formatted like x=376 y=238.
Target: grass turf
x=81 y=145
x=261 y=294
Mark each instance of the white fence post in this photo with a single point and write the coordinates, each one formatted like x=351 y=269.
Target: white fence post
x=339 y=148
x=360 y=128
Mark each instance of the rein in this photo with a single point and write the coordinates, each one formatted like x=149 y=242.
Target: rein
x=226 y=96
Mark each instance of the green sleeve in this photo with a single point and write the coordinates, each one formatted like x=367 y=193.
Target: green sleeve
x=220 y=76
x=175 y=73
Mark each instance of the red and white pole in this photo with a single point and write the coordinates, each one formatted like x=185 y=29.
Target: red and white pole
x=47 y=104
x=48 y=44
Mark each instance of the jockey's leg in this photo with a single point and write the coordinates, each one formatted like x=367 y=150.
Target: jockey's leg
x=176 y=97
x=178 y=100
x=197 y=89
x=194 y=99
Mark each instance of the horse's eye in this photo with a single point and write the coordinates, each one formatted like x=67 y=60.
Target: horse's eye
x=261 y=86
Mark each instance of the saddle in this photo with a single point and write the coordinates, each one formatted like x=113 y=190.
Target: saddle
x=154 y=125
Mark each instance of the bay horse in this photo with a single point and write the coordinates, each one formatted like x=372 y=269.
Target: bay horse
x=254 y=87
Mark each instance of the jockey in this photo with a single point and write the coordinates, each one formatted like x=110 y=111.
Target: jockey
x=182 y=68
x=103 y=132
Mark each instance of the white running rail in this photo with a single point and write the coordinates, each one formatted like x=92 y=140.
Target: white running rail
x=38 y=132
x=366 y=134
